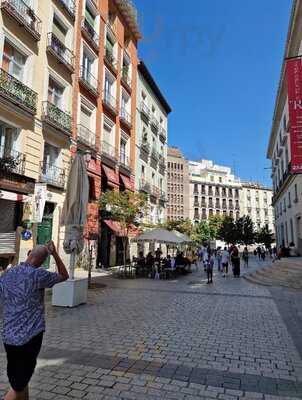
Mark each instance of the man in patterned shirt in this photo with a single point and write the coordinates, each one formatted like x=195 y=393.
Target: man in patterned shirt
x=22 y=294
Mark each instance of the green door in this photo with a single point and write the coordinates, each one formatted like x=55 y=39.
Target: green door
x=45 y=234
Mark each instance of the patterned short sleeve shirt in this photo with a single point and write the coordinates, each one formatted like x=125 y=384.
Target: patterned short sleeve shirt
x=22 y=295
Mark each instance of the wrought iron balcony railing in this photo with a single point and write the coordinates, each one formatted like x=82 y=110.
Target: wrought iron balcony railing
x=110 y=101
x=86 y=136
x=145 y=110
x=90 y=34
x=54 y=116
x=125 y=117
x=24 y=15
x=110 y=59
x=108 y=150
x=162 y=134
x=155 y=192
x=111 y=30
x=124 y=160
x=52 y=175
x=11 y=161
x=197 y=216
x=144 y=186
x=20 y=94
x=162 y=161
x=154 y=154
x=126 y=80
x=145 y=146
x=69 y=6
x=154 y=123
x=203 y=204
x=60 y=51
x=89 y=81
x=196 y=203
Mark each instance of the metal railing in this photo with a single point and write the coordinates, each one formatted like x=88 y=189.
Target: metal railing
x=89 y=79
x=16 y=91
x=196 y=203
x=124 y=160
x=155 y=192
x=86 y=136
x=109 y=100
x=154 y=123
x=144 y=186
x=125 y=77
x=108 y=149
x=11 y=161
x=162 y=162
x=24 y=14
x=90 y=32
x=56 y=117
x=125 y=116
x=109 y=57
x=163 y=134
x=52 y=174
x=69 y=6
x=154 y=154
x=162 y=195
x=146 y=147
x=145 y=109
x=111 y=30
x=203 y=204
x=64 y=54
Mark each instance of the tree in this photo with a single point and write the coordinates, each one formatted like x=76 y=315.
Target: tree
x=228 y=231
x=183 y=226
x=245 y=230
x=215 y=223
x=201 y=233
x=265 y=236
x=126 y=208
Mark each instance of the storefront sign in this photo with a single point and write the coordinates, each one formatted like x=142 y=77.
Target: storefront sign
x=39 y=200
x=294 y=84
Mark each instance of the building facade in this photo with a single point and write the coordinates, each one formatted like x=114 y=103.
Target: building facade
x=67 y=84
x=287 y=199
x=151 y=145
x=256 y=202
x=177 y=186
x=214 y=190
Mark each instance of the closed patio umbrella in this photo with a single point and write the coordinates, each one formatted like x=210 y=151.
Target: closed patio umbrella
x=74 y=214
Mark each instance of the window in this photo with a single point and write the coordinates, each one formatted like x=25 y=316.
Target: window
x=123 y=149
x=59 y=29
x=8 y=139
x=125 y=103
x=109 y=84
x=220 y=179
x=109 y=131
x=90 y=14
x=296 y=193
x=55 y=92
x=13 y=61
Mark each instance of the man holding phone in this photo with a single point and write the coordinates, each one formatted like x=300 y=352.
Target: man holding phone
x=22 y=295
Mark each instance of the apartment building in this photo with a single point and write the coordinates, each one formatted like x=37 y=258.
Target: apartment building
x=151 y=145
x=177 y=185
x=256 y=202
x=214 y=190
x=67 y=84
x=287 y=181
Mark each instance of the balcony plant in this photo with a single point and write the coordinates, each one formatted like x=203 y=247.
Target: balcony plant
x=9 y=164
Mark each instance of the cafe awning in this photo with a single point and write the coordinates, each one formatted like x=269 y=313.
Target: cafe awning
x=126 y=181
x=159 y=236
x=118 y=230
x=111 y=175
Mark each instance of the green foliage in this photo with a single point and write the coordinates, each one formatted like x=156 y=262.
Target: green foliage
x=265 y=236
x=184 y=226
x=8 y=164
x=245 y=230
x=228 y=231
x=201 y=233
x=215 y=223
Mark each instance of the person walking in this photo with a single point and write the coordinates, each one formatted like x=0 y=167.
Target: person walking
x=22 y=295
x=205 y=257
x=225 y=257
x=263 y=253
x=245 y=257
x=210 y=266
x=235 y=261
x=219 y=258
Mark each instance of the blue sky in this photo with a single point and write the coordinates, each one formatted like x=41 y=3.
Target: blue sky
x=218 y=64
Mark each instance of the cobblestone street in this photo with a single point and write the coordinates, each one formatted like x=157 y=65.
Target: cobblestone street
x=184 y=339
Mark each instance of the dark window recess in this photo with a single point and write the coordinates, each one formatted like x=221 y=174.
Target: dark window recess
x=92 y=194
x=11 y=215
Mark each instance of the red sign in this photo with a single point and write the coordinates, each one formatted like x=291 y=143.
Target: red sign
x=294 y=84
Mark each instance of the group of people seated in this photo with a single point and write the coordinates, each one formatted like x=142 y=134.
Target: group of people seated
x=156 y=266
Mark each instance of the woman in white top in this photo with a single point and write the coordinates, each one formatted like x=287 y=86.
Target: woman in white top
x=225 y=256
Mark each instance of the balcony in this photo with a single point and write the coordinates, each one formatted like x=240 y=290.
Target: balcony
x=144 y=186
x=162 y=196
x=86 y=136
x=11 y=161
x=24 y=16
x=69 y=7
x=111 y=31
x=125 y=79
x=210 y=192
x=154 y=154
x=162 y=134
x=211 y=204
x=125 y=118
x=203 y=204
x=110 y=60
x=90 y=34
x=89 y=81
x=57 y=118
x=196 y=203
x=197 y=216
x=224 y=207
x=154 y=124
x=52 y=175
x=60 y=51
x=125 y=161
x=110 y=102
x=217 y=205
x=145 y=111
x=162 y=163
x=145 y=146
x=108 y=150
x=237 y=207
x=16 y=92
x=155 y=192
x=231 y=207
